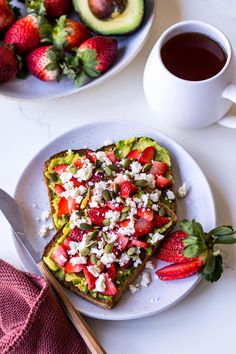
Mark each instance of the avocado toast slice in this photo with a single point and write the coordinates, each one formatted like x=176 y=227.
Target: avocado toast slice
x=111 y=209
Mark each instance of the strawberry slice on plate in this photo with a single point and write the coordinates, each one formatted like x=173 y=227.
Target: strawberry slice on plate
x=59 y=189
x=158 y=168
x=60 y=168
x=147 y=214
x=134 y=154
x=160 y=221
x=143 y=227
x=162 y=182
x=123 y=241
x=70 y=267
x=147 y=155
x=139 y=243
x=180 y=270
x=127 y=189
x=90 y=279
x=66 y=206
x=111 y=289
x=111 y=156
x=112 y=271
x=97 y=215
x=60 y=256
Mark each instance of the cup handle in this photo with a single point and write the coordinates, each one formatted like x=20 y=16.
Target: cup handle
x=229 y=120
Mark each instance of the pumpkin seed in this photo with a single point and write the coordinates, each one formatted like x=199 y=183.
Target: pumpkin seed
x=106 y=222
x=66 y=218
x=162 y=211
x=116 y=188
x=141 y=183
x=84 y=252
x=113 y=195
x=104 y=236
x=99 y=170
x=149 y=203
x=93 y=258
x=86 y=199
x=79 y=213
x=53 y=177
x=98 y=163
x=106 y=195
x=127 y=163
x=122 y=200
x=84 y=226
x=131 y=251
x=125 y=209
x=92 y=235
x=92 y=244
x=108 y=248
x=113 y=167
x=147 y=167
x=123 y=216
x=108 y=171
x=73 y=169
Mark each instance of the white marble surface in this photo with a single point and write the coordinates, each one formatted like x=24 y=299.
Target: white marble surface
x=205 y=321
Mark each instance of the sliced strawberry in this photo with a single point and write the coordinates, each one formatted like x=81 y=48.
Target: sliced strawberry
x=111 y=289
x=180 y=270
x=60 y=256
x=134 y=154
x=143 y=227
x=76 y=234
x=111 y=156
x=140 y=244
x=66 y=244
x=97 y=215
x=73 y=268
x=147 y=155
x=119 y=180
x=114 y=206
x=160 y=221
x=60 y=168
x=91 y=156
x=72 y=205
x=123 y=241
x=59 y=189
x=63 y=207
x=127 y=189
x=147 y=214
x=76 y=182
x=90 y=279
x=124 y=223
x=162 y=182
x=112 y=271
x=78 y=163
x=158 y=168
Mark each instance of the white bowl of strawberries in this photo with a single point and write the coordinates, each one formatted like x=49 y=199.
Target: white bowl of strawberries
x=48 y=52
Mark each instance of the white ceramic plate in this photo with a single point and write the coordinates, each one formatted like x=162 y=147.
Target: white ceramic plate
x=128 y=47
x=198 y=204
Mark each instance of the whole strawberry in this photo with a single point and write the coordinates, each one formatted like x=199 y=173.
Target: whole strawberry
x=51 y=8
x=8 y=64
x=24 y=34
x=44 y=63
x=7 y=16
x=69 y=34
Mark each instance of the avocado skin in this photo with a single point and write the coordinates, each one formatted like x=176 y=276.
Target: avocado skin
x=118 y=29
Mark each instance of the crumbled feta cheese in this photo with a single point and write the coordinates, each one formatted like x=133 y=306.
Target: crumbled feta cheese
x=74 y=193
x=78 y=260
x=100 y=284
x=155 y=207
x=62 y=258
x=82 y=190
x=84 y=173
x=45 y=215
x=111 y=237
x=74 y=247
x=123 y=259
x=136 y=167
x=107 y=142
x=182 y=191
x=108 y=259
x=38 y=218
x=95 y=270
x=113 y=217
x=154 y=299
x=170 y=195
x=79 y=199
x=66 y=177
x=154 y=196
x=68 y=186
x=101 y=244
x=156 y=237
x=137 y=262
x=151 y=181
x=103 y=157
x=43 y=232
x=98 y=252
x=144 y=199
x=149 y=265
x=145 y=281
x=133 y=288
x=50 y=226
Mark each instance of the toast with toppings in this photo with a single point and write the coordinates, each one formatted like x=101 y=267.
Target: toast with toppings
x=111 y=207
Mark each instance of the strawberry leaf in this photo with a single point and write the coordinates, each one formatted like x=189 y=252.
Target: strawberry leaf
x=80 y=78
x=89 y=60
x=222 y=231
x=186 y=226
x=227 y=239
x=216 y=273
x=210 y=266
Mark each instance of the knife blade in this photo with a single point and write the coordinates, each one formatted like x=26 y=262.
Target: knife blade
x=14 y=216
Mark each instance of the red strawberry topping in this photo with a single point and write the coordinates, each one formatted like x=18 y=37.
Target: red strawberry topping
x=158 y=168
x=60 y=168
x=180 y=270
x=97 y=215
x=127 y=189
x=147 y=155
x=60 y=256
x=111 y=289
x=143 y=227
x=134 y=154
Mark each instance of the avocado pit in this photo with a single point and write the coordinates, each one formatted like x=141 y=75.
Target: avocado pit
x=107 y=9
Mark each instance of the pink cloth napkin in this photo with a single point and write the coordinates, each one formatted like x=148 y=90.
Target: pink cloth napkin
x=31 y=321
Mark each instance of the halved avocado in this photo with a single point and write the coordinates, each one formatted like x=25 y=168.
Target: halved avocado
x=120 y=23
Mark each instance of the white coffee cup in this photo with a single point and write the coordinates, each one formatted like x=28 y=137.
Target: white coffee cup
x=190 y=104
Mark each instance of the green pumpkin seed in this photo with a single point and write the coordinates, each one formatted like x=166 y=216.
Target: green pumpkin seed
x=123 y=216
x=93 y=258
x=113 y=195
x=113 y=167
x=131 y=251
x=106 y=222
x=65 y=218
x=116 y=188
x=84 y=226
x=106 y=195
x=98 y=163
x=92 y=235
x=108 y=248
x=127 y=163
x=53 y=177
x=147 y=167
x=128 y=175
x=162 y=211
x=104 y=236
x=125 y=209
x=141 y=183
x=149 y=203
x=79 y=213
x=122 y=200
x=108 y=171
x=84 y=252
x=92 y=244
x=100 y=170
x=73 y=169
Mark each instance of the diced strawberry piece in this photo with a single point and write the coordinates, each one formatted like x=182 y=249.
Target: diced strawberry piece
x=111 y=156
x=119 y=180
x=66 y=244
x=134 y=154
x=97 y=215
x=160 y=221
x=127 y=265
x=73 y=268
x=147 y=214
x=122 y=240
x=63 y=207
x=124 y=223
x=158 y=168
x=76 y=182
x=114 y=206
x=147 y=155
x=91 y=156
x=127 y=189
x=112 y=271
x=59 y=189
x=78 y=163
x=143 y=227
x=76 y=234
x=72 y=205
x=90 y=279
x=60 y=168
x=97 y=177
x=60 y=256
x=180 y=270
x=111 y=289
x=140 y=244
x=162 y=182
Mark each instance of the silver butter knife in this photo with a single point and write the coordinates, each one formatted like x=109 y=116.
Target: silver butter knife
x=14 y=216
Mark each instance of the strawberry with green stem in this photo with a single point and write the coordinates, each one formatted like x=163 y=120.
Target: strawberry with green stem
x=194 y=250
x=51 y=8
